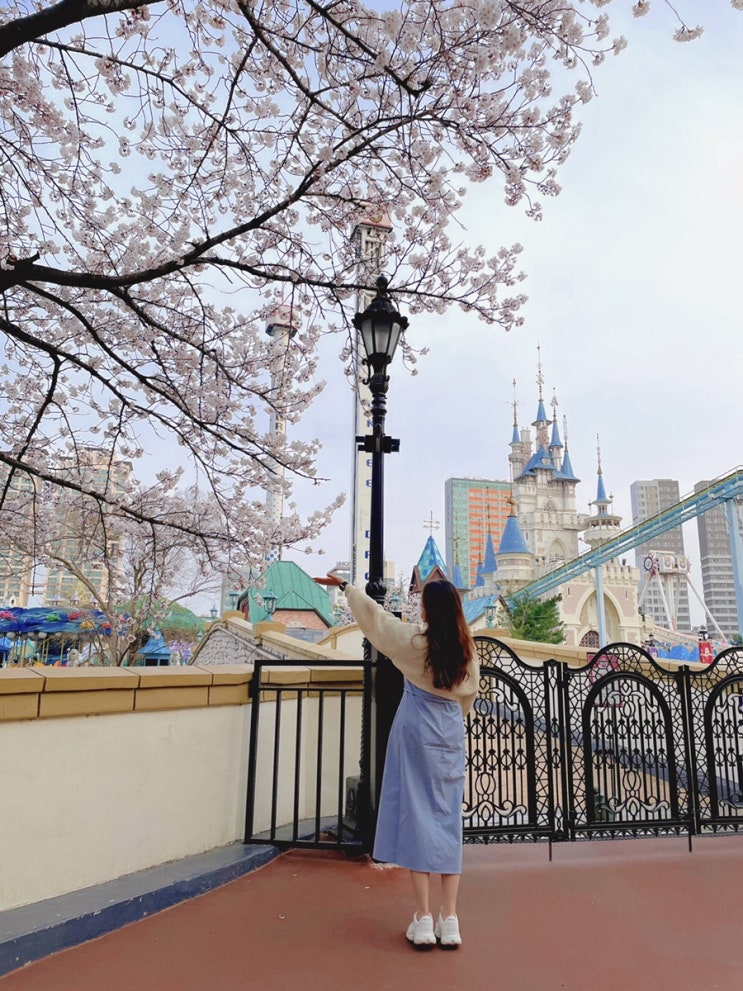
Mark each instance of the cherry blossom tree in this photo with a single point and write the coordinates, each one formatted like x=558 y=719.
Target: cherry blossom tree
x=172 y=171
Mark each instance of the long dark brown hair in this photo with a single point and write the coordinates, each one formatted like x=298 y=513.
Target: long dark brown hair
x=450 y=643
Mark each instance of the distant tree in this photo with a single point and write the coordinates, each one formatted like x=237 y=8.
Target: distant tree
x=98 y=557
x=171 y=171
x=535 y=619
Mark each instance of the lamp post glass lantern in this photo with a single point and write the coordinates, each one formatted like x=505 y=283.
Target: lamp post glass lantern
x=380 y=326
x=269 y=602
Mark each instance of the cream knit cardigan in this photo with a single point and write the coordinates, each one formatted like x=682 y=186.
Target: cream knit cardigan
x=406 y=647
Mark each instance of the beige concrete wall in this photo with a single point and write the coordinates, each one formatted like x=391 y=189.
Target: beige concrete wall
x=88 y=799
x=108 y=771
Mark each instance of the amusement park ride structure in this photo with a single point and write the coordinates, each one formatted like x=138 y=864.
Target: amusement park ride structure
x=724 y=490
x=668 y=572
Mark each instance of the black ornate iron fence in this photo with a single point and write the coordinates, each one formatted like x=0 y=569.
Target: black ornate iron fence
x=619 y=747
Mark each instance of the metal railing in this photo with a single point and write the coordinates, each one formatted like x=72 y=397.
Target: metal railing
x=308 y=765
x=619 y=747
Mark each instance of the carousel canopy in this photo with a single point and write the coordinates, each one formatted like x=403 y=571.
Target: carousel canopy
x=50 y=620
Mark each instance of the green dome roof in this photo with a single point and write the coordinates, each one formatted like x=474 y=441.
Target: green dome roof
x=294 y=589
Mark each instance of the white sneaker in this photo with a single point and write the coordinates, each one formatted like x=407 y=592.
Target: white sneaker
x=420 y=931
x=447 y=932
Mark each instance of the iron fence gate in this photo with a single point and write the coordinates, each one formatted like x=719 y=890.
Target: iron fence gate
x=619 y=747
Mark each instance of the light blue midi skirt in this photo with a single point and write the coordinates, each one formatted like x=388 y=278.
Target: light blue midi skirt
x=419 y=825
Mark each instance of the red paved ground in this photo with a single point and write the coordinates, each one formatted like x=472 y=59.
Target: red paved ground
x=630 y=915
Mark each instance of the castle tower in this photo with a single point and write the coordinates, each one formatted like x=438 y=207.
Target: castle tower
x=520 y=443
x=604 y=525
x=600 y=606
x=544 y=490
x=556 y=447
x=515 y=561
x=281 y=328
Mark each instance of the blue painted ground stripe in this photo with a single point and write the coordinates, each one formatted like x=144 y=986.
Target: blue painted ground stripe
x=35 y=931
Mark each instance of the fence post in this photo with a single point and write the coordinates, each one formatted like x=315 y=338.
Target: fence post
x=365 y=811
x=562 y=730
x=683 y=681
x=255 y=706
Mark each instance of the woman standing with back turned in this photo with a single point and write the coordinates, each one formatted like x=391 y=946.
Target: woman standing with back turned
x=419 y=825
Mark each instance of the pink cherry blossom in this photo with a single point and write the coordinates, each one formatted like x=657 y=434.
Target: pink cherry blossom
x=170 y=172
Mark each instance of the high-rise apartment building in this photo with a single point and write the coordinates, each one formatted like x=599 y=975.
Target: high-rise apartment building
x=716 y=554
x=475 y=509
x=662 y=562
x=79 y=536
x=16 y=560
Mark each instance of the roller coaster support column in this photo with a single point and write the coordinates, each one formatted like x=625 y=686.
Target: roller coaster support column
x=736 y=548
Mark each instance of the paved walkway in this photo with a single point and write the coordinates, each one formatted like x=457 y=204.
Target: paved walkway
x=626 y=915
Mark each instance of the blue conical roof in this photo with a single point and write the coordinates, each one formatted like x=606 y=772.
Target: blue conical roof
x=479 y=580
x=512 y=540
x=489 y=565
x=601 y=499
x=515 y=439
x=555 y=442
x=541 y=415
x=566 y=473
x=430 y=558
x=457 y=580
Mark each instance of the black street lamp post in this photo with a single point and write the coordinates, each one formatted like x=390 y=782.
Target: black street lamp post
x=380 y=326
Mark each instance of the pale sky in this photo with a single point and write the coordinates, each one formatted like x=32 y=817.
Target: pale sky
x=634 y=296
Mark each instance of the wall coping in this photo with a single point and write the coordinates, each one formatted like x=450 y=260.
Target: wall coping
x=37 y=693
x=49 y=692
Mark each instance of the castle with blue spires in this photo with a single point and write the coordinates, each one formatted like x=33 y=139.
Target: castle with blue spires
x=540 y=532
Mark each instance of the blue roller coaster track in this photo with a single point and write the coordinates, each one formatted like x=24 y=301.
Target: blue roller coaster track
x=721 y=491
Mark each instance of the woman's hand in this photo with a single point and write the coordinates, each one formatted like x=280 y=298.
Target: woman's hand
x=333 y=580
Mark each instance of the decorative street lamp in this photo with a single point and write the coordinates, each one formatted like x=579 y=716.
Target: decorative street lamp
x=213 y=613
x=380 y=327
x=269 y=602
x=233 y=598
x=490 y=615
